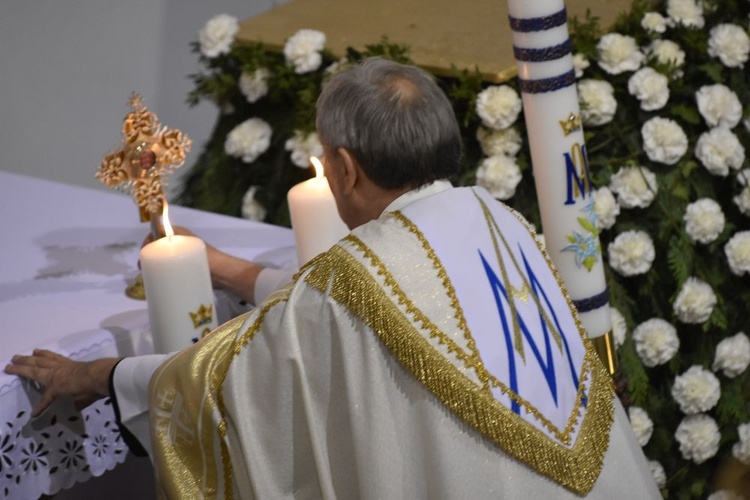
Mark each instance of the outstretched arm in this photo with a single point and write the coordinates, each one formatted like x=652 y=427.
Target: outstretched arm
x=84 y=382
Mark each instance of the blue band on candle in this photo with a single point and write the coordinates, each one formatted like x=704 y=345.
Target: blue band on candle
x=591 y=303
x=532 y=24
x=545 y=54
x=547 y=84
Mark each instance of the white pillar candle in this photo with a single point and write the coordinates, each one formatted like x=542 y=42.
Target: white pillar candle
x=178 y=290
x=316 y=223
x=558 y=154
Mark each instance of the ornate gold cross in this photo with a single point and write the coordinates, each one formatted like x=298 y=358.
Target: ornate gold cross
x=149 y=151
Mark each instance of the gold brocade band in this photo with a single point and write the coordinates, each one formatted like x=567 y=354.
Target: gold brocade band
x=347 y=281
x=605 y=348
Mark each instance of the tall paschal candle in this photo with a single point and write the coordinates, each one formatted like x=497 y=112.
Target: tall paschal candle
x=547 y=82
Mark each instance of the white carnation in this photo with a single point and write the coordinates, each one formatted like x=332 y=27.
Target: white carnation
x=251 y=208
x=656 y=341
x=498 y=106
x=499 y=142
x=619 y=326
x=650 y=87
x=302 y=50
x=730 y=44
x=499 y=175
x=737 y=251
x=686 y=12
x=597 y=100
x=719 y=105
x=724 y=495
x=695 y=302
x=653 y=22
x=618 y=53
x=718 y=150
x=631 y=253
x=664 y=140
x=580 y=64
x=658 y=472
x=217 y=35
x=732 y=355
x=248 y=140
x=606 y=208
x=642 y=425
x=666 y=52
x=635 y=187
x=696 y=391
x=338 y=66
x=303 y=146
x=742 y=201
x=254 y=85
x=704 y=220
x=741 y=449
x=699 y=438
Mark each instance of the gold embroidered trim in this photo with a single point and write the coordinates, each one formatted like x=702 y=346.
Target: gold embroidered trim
x=240 y=342
x=576 y=468
x=492 y=224
x=475 y=361
x=470 y=362
x=458 y=312
x=203 y=369
x=191 y=375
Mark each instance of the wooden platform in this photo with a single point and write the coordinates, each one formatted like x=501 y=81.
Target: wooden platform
x=466 y=33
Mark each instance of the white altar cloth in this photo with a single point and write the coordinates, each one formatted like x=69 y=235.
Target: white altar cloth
x=66 y=256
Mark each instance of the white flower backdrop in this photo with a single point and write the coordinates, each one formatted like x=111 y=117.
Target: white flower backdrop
x=665 y=102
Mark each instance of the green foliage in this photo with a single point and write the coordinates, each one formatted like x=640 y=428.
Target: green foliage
x=218 y=182
x=388 y=50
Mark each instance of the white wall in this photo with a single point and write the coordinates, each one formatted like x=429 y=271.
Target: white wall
x=67 y=68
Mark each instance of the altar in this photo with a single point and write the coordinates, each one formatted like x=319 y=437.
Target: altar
x=67 y=255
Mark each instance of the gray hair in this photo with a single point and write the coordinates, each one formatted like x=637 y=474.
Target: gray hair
x=394 y=119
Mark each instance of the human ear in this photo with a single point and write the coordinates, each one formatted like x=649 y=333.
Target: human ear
x=350 y=170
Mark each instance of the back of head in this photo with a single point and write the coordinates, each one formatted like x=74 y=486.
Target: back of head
x=394 y=119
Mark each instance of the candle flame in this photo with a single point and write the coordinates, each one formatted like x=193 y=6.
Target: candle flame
x=165 y=220
x=318 y=166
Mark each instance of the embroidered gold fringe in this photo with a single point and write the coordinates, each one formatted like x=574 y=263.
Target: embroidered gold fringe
x=576 y=468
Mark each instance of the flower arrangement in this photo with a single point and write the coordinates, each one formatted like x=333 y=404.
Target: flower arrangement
x=665 y=103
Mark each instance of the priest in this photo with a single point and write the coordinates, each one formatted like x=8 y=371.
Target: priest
x=431 y=353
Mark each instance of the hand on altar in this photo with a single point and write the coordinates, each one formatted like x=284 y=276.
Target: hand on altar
x=227 y=271
x=84 y=382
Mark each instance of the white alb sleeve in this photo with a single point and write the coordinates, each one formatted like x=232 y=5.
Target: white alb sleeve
x=130 y=384
x=269 y=280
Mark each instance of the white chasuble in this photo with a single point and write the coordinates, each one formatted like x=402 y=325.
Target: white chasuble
x=431 y=353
